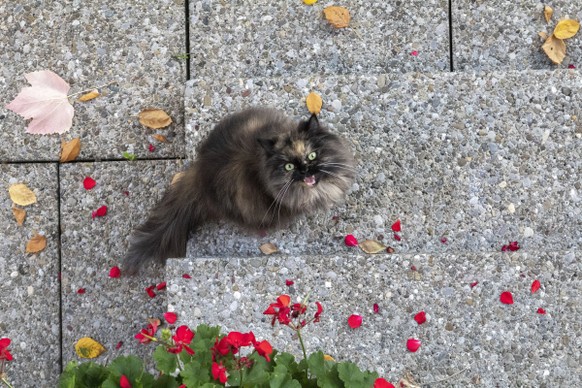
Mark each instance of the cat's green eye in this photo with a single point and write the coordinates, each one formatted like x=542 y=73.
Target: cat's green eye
x=289 y=167
x=312 y=156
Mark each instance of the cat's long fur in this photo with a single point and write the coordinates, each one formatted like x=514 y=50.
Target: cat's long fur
x=241 y=175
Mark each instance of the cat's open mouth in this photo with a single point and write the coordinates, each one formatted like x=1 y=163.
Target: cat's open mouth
x=310 y=180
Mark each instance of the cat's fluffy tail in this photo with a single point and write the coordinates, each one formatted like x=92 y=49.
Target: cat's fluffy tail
x=165 y=233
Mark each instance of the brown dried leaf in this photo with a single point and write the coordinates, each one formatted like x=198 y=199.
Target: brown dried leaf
x=36 y=244
x=548 y=12
x=160 y=138
x=268 y=248
x=19 y=215
x=21 y=195
x=154 y=118
x=339 y=17
x=89 y=96
x=371 y=246
x=543 y=35
x=555 y=49
x=70 y=150
x=314 y=103
x=566 y=28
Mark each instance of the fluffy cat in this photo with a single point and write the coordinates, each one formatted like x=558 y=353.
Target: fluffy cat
x=258 y=169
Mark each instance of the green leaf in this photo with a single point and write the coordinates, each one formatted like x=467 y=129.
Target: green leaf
x=331 y=378
x=204 y=340
x=166 y=381
x=130 y=366
x=166 y=362
x=128 y=155
x=194 y=375
x=316 y=364
x=257 y=375
x=281 y=378
x=353 y=377
x=88 y=374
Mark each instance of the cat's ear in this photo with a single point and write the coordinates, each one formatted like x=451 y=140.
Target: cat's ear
x=311 y=125
x=267 y=144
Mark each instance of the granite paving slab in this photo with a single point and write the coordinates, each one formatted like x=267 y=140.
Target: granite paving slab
x=129 y=46
x=111 y=309
x=496 y=35
x=244 y=38
x=469 y=339
x=463 y=170
x=29 y=282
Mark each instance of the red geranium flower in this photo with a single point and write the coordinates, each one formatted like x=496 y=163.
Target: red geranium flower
x=280 y=310
x=182 y=339
x=145 y=335
x=237 y=340
x=219 y=372
x=264 y=349
x=124 y=382
x=221 y=347
x=318 y=312
x=4 y=353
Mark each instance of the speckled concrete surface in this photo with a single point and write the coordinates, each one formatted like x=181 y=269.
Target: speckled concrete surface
x=469 y=338
x=480 y=169
x=269 y=38
x=495 y=35
x=110 y=310
x=29 y=282
x=90 y=44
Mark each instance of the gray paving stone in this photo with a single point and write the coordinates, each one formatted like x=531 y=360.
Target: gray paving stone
x=469 y=336
x=29 y=282
x=496 y=35
x=89 y=44
x=478 y=159
x=111 y=310
x=244 y=38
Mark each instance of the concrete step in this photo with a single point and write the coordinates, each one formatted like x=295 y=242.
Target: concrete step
x=469 y=336
x=481 y=159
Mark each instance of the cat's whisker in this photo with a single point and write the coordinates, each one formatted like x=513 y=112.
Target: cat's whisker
x=277 y=198
x=281 y=201
x=330 y=173
x=338 y=165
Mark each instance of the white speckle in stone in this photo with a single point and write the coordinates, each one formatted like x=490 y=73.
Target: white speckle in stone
x=30 y=290
x=378 y=220
x=236 y=295
x=528 y=232
x=503 y=184
x=336 y=105
x=284 y=271
x=545 y=136
x=22 y=345
x=511 y=208
x=14 y=274
x=197 y=312
x=328 y=284
x=233 y=306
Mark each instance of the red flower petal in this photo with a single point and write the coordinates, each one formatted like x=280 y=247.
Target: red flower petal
x=350 y=240
x=264 y=349
x=474 y=284
x=413 y=344
x=444 y=240
x=397 y=237
x=571 y=66
x=161 y=286
x=89 y=183
x=396 y=226
x=170 y=317
x=535 y=286
x=289 y=282
x=355 y=321
x=376 y=308
x=124 y=382
x=414 y=53
x=506 y=297
x=119 y=345
x=512 y=246
x=186 y=276
x=114 y=272
x=420 y=318
x=382 y=383
x=101 y=212
x=541 y=311
x=150 y=291
x=81 y=291
x=151 y=148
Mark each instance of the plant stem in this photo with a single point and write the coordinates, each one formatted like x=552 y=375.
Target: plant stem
x=302 y=344
x=88 y=90
x=3 y=380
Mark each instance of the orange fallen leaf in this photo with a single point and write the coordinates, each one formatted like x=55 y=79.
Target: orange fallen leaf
x=314 y=103
x=566 y=28
x=160 y=138
x=154 y=118
x=70 y=150
x=36 y=244
x=268 y=248
x=89 y=96
x=21 y=195
x=19 y=215
x=339 y=17
x=548 y=12
x=371 y=246
x=555 y=49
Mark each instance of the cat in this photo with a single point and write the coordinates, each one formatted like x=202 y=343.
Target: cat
x=258 y=169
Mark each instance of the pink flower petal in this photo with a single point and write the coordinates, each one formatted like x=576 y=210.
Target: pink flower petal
x=506 y=297
x=289 y=282
x=161 y=286
x=124 y=382
x=350 y=241
x=170 y=317
x=413 y=344
x=396 y=226
x=376 y=308
x=535 y=286
x=114 y=272
x=355 y=321
x=420 y=318
x=150 y=291
x=89 y=183
x=541 y=311
x=414 y=53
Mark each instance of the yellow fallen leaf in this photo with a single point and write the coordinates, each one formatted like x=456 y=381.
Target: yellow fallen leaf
x=160 y=138
x=36 y=244
x=89 y=96
x=87 y=347
x=21 y=195
x=548 y=12
x=327 y=357
x=268 y=248
x=70 y=150
x=309 y=2
x=154 y=118
x=19 y=215
x=555 y=49
x=314 y=103
x=371 y=246
x=339 y=17
x=566 y=28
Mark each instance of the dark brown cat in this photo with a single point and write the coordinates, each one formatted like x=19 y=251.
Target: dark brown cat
x=258 y=169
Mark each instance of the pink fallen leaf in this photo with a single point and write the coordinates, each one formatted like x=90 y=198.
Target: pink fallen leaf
x=350 y=240
x=396 y=226
x=170 y=317
x=45 y=102
x=420 y=318
x=413 y=344
x=535 y=286
x=506 y=297
x=114 y=272
x=355 y=321
x=89 y=183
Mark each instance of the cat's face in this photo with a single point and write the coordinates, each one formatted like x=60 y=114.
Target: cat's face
x=308 y=168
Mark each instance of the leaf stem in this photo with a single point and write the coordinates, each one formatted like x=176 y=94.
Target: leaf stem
x=88 y=90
